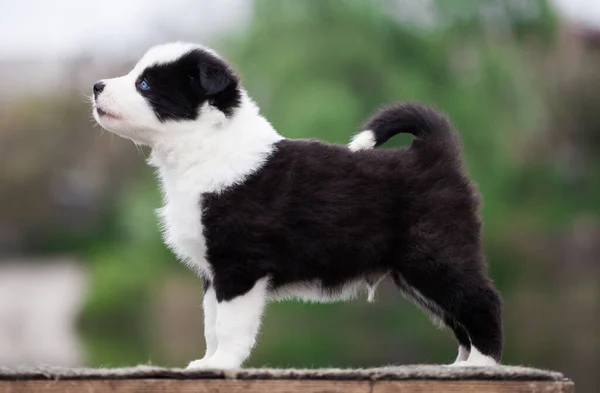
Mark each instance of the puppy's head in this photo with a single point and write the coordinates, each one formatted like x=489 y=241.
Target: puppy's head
x=174 y=88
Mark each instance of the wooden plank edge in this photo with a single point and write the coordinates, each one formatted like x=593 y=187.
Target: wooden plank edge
x=280 y=386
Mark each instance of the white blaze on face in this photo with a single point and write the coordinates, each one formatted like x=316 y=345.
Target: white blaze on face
x=128 y=114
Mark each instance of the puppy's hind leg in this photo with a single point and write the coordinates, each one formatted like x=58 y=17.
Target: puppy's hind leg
x=479 y=311
x=465 y=300
x=464 y=343
x=437 y=314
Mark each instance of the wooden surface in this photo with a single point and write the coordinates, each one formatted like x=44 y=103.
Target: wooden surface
x=277 y=386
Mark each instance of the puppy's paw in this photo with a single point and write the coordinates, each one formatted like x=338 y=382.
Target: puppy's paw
x=459 y=363
x=474 y=363
x=199 y=364
x=214 y=363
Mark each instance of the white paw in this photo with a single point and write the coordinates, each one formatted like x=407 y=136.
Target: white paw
x=197 y=364
x=474 y=363
x=459 y=363
x=212 y=363
x=477 y=359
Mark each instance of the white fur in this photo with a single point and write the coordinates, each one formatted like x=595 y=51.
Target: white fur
x=313 y=291
x=475 y=359
x=238 y=321
x=362 y=141
x=372 y=287
x=136 y=120
x=209 y=305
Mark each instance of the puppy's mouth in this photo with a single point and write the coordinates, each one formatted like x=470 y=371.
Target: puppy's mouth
x=104 y=114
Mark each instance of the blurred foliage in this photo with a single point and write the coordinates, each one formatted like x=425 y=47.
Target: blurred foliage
x=53 y=168
x=525 y=109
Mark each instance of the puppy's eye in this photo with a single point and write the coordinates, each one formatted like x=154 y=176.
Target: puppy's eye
x=143 y=84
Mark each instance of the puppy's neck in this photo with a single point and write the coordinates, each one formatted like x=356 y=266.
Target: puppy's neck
x=219 y=153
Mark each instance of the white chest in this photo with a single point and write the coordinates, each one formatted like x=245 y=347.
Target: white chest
x=181 y=218
x=206 y=159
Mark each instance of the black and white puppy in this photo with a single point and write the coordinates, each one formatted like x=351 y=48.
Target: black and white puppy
x=261 y=217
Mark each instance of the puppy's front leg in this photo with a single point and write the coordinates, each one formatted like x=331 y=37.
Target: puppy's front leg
x=237 y=323
x=209 y=305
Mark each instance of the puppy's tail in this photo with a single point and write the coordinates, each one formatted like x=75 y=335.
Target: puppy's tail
x=432 y=130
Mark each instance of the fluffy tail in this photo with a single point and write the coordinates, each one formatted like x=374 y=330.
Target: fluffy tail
x=431 y=129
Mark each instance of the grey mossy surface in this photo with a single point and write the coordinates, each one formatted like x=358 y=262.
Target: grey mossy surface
x=409 y=372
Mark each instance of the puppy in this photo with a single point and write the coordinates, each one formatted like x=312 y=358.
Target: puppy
x=261 y=217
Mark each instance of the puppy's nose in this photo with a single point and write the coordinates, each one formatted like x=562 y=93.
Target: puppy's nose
x=98 y=87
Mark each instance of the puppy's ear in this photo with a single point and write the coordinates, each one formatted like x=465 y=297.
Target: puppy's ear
x=215 y=77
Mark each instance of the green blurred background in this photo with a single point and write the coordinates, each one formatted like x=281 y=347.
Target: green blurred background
x=519 y=79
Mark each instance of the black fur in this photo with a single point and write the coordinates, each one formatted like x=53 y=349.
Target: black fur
x=317 y=211
x=421 y=121
x=178 y=89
